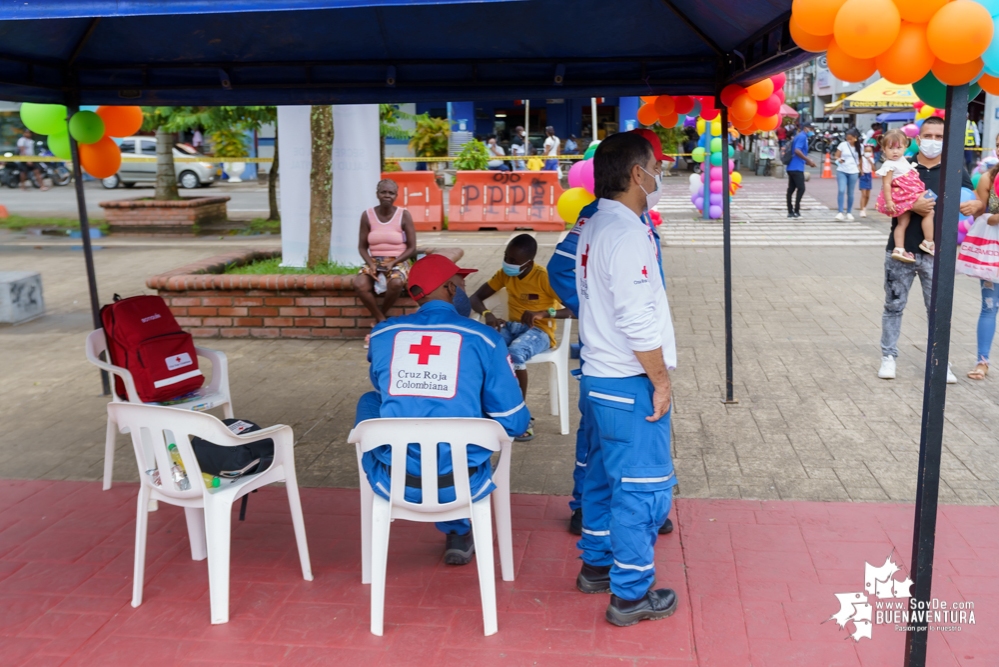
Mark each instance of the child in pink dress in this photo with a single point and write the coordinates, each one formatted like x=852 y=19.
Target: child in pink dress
x=900 y=188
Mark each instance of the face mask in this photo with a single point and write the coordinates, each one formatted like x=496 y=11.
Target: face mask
x=513 y=269
x=461 y=302
x=809 y=134
x=652 y=198
x=930 y=148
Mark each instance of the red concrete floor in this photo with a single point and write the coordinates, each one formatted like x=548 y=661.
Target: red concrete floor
x=755 y=580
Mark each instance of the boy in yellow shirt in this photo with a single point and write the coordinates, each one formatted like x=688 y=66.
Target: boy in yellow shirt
x=532 y=308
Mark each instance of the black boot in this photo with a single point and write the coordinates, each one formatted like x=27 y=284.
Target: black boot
x=576 y=521
x=459 y=549
x=666 y=528
x=594 y=579
x=655 y=604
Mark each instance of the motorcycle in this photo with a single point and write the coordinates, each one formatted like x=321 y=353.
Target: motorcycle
x=57 y=172
x=10 y=173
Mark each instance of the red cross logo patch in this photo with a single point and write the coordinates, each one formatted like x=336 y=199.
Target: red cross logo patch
x=645 y=272
x=425 y=350
x=584 y=258
x=425 y=363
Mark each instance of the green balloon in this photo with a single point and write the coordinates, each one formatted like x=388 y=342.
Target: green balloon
x=931 y=91
x=697 y=154
x=44 y=118
x=716 y=160
x=59 y=145
x=86 y=127
x=975 y=177
x=716 y=145
x=591 y=149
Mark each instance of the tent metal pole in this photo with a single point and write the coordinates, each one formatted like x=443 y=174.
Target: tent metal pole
x=527 y=130
x=937 y=352
x=88 y=250
x=727 y=255
x=593 y=112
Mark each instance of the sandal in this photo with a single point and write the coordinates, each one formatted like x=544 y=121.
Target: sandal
x=902 y=256
x=980 y=371
x=927 y=247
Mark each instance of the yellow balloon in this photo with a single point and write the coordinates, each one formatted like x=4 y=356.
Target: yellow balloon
x=735 y=177
x=700 y=126
x=571 y=202
x=925 y=112
x=716 y=128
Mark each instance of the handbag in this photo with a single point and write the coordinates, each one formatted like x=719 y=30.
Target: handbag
x=234 y=462
x=979 y=254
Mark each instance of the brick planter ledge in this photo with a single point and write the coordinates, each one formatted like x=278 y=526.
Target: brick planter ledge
x=148 y=216
x=211 y=304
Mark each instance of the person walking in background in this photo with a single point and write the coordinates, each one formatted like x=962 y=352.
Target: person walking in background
x=26 y=148
x=518 y=148
x=551 y=149
x=796 y=169
x=990 y=291
x=865 y=183
x=847 y=172
x=972 y=141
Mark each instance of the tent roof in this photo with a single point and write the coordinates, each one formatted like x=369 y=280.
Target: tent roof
x=363 y=51
x=882 y=95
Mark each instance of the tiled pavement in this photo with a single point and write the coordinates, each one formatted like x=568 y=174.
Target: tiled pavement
x=756 y=583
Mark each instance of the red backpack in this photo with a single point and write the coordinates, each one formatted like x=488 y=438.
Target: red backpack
x=143 y=337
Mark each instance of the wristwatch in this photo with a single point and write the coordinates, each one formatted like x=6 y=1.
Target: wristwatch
x=552 y=312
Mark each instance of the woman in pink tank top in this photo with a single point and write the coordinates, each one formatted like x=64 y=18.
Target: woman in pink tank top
x=387 y=244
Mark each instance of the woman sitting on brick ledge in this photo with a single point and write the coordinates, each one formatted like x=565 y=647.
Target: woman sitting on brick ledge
x=387 y=244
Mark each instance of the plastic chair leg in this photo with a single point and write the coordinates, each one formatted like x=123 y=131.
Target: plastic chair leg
x=218 y=522
x=298 y=521
x=553 y=384
x=381 y=523
x=563 y=397
x=109 y=443
x=196 y=532
x=504 y=528
x=482 y=529
x=141 y=526
x=227 y=410
x=367 y=497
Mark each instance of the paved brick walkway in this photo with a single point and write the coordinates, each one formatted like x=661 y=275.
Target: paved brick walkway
x=756 y=582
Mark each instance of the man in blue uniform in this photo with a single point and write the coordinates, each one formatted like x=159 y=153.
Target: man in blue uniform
x=562 y=277
x=629 y=349
x=437 y=363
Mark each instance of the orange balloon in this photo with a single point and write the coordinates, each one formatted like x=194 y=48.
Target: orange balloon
x=766 y=123
x=956 y=75
x=919 y=11
x=866 y=28
x=749 y=129
x=846 y=67
x=120 y=121
x=989 y=84
x=669 y=120
x=909 y=59
x=761 y=90
x=665 y=105
x=741 y=124
x=959 y=32
x=100 y=159
x=647 y=115
x=743 y=107
x=816 y=17
x=808 y=41
x=649 y=99
x=730 y=92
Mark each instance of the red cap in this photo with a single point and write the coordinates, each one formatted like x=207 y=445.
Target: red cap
x=431 y=272
x=657 y=146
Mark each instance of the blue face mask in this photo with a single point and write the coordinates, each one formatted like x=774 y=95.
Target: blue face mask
x=461 y=302
x=809 y=134
x=513 y=269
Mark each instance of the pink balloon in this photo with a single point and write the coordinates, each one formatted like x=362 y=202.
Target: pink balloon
x=575 y=172
x=716 y=186
x=586 y=175
x=716 y=173
x=768 y=107
x=731 y=166
x=780 y=95
x=779 y=80
x=715 y=212
x=910 y=131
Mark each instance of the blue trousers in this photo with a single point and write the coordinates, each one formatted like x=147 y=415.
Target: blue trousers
x=629 y=482
x=369 y=407
x=583 y=436
x=845 y=184
x=987 y=320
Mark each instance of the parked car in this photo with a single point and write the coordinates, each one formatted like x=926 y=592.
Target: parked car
x=189 y=174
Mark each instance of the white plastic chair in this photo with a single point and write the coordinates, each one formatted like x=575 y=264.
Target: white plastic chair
x=378 y=513
x=558 y=375
x=214 y=395
x=209 y=511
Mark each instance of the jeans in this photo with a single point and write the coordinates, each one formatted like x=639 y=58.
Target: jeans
x=898 y=282
x=987 y=320
x=795 y=181
x=846 y=184
x=524 y=342
x=551 y=165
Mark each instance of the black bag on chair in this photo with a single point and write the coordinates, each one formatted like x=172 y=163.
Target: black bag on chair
x=234 y=462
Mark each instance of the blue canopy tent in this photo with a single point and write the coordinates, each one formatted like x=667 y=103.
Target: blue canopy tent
x=210 y=52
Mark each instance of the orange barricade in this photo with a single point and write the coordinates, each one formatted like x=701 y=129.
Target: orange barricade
x=420 y=195
x=505 y=200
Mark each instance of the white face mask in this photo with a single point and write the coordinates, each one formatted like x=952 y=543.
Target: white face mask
x=931 y=148
x=652 y=198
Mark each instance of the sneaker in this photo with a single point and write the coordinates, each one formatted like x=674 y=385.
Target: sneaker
x=797 y=214
x=840 y=216
x=849 y=217
x=459 y=549
x=951 y=378
x=790 y=215
x=887 y=370
x=863 y=213
x=576 y=521
x=654 y=605
x=666 y=528
x=526 y=435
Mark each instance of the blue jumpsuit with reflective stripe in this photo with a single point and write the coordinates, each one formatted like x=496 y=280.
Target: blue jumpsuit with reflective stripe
x=562 y=277
x=484 y=386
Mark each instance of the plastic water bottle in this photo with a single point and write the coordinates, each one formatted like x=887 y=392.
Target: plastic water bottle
x=177 y=469
x=154 y=473
x=211 y=481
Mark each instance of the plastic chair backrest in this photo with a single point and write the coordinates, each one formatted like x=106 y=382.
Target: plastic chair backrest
x=426 y=433
x=153 y=427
